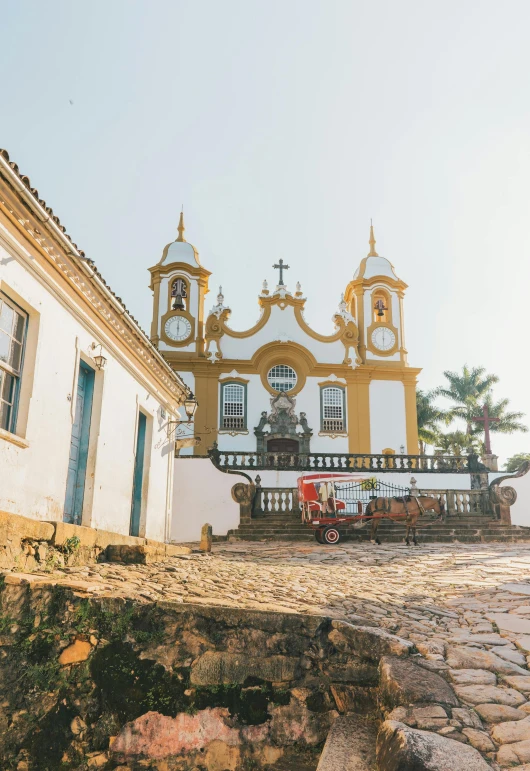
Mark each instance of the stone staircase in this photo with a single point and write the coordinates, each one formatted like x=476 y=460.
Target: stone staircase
x=287 y=526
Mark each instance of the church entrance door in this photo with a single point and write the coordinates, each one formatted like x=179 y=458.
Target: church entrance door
x=283 y=445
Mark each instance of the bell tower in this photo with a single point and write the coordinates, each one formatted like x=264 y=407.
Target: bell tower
x=179 y=284
x=375 y=298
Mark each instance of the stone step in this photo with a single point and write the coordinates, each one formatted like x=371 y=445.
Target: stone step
x=350 y=745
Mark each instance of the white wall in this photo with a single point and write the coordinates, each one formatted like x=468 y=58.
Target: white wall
x=33 y=477
x=388 y=426
x=521 y=508
x=201 y=495
x=282 y=326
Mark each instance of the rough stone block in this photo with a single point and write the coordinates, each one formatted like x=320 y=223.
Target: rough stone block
x=206 y=538
x=368 y=642
x=461 y=657
x=354 y=673
x=16 y=528
x=512 y=731
x=400 y=748
x=402 y=682
x=350 y=745
x=217 y=668
x=63 y=531
x=489 y=694
x=512 y=754
x=497 y=713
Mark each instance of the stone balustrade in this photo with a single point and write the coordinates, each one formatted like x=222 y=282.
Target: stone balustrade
x=417 y=464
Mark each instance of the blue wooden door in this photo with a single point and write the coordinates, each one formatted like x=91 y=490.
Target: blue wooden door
x=75 y=482
x=138 y=478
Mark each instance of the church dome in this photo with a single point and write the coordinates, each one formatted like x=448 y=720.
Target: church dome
x=375 y=265
x=180 y=250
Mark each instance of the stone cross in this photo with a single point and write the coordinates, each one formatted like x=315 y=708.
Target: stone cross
x=281 y=267
x=486 y=419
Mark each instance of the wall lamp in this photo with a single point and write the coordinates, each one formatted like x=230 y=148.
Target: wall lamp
x=98 y=358
x=190 y=408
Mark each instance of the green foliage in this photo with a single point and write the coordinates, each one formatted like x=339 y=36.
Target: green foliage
x=516 y=461
x=71 y=545
x=468 y=391
x=457 y=443
x=429 y=418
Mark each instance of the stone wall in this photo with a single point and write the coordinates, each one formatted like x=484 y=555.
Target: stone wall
x=29 y=544
x=104 y=682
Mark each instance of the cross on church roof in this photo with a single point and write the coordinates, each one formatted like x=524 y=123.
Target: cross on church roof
x=486 y=419
x=281 y=267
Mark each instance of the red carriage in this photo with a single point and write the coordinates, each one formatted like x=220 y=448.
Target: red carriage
x=322 y=506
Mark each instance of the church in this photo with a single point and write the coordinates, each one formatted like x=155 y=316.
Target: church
x=281 y=386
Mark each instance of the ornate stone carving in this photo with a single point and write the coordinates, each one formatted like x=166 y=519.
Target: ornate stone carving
x=283 y=422
x=503 y=495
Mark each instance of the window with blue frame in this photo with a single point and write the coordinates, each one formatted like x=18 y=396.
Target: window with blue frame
x=233 y=406
x=12 y=336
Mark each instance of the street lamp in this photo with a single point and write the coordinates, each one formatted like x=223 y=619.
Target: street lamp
x=190 y=408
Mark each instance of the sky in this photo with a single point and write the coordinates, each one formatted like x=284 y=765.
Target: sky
x=282 y=127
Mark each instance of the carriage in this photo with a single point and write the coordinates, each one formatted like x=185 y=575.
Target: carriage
x=324 y=504
x=328 y=500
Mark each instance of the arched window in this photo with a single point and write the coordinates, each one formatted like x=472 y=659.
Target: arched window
x=381 y=307
x=179 y=293
x=282 y=377
x=333 y=412
x=233 y=406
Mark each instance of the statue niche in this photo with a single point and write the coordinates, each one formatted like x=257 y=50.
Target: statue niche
x=283 y=421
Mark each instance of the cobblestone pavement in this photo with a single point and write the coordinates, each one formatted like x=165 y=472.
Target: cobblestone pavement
x=466 y=607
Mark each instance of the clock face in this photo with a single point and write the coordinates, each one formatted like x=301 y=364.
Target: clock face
x=383 y=338
x=177 y=328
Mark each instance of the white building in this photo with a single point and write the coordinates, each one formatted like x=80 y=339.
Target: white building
x=79 y=441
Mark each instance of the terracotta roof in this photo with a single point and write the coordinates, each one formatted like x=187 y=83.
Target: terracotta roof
x=35 y=193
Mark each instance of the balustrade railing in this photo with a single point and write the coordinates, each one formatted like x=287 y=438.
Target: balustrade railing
x=274 y=500
x=417 y=464
x=463 y=502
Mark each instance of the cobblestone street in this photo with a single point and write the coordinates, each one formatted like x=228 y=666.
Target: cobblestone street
x=466 y=607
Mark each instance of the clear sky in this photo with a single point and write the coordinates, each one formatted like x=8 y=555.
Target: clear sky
x=283 y=126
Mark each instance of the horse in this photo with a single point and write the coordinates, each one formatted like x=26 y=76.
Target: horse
x=409 y=509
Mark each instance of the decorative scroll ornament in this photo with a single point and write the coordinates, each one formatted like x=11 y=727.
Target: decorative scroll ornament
x=219 y=309
x=506 y=496
x=346 y=324
x=343 y=312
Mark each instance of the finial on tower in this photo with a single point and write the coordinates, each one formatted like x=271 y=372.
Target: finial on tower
x=181 y=227
x=372 y=252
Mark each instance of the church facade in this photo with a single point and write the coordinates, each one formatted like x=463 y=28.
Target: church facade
x=281 y=386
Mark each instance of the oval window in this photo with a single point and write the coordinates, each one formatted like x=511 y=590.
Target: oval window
x=282 y=377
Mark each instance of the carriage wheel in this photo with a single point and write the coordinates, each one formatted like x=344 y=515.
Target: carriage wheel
x=330 y=535
x=318 y=534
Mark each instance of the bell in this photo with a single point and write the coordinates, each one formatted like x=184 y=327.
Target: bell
x=178 y=303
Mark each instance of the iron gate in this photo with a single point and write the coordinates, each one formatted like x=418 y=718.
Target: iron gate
x=357 y=494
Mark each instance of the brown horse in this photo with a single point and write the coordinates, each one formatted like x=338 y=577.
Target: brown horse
x=406 y=510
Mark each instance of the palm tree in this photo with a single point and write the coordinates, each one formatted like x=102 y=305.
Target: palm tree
x=466 y=389
x=457 y=443
x=429 y=418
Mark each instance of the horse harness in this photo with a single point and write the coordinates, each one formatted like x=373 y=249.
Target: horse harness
x=404 y=500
